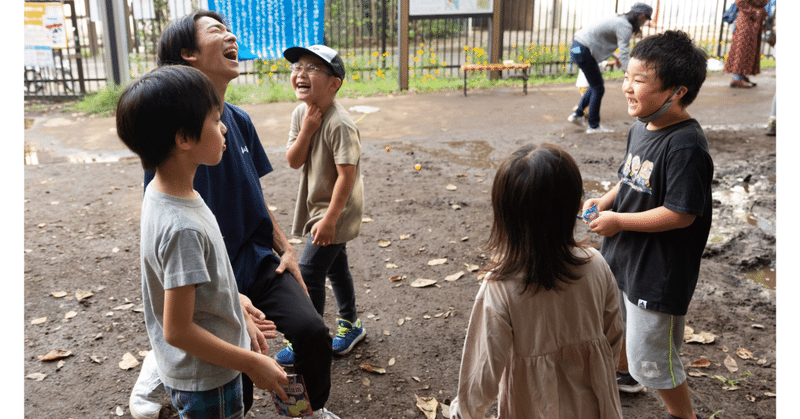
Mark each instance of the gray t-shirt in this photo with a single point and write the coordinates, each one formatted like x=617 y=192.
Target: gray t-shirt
x=181 y=245
x=606 y=36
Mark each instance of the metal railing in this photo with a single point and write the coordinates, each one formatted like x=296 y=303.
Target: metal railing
x=365 y=34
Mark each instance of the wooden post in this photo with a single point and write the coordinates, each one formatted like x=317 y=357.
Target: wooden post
x=496 y=42
x=402 y=39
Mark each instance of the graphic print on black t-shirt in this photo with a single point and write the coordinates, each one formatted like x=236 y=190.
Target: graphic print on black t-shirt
x=636 y=173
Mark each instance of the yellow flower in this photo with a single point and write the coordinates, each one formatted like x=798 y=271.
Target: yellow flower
x=421 y=44
x=376 y=53
x=437 y=71
x=466 y=48
x=386 y=53
x=416 y=59
x=379 y=73
x=515 y=45
x=271 y=74
x=420 y=52
x=468 y=58
x=355 y=76
x=432 y=54
x=433 y=61
x=444 y=64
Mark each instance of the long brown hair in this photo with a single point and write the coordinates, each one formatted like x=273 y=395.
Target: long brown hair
x=536 y=196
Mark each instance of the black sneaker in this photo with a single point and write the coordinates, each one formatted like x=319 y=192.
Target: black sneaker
x=627 y=384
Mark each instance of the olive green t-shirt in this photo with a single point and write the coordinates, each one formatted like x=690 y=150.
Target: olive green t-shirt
x=337 y=141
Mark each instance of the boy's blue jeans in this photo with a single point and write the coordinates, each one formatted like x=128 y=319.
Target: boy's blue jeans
x=582 y=57
x=319 y=262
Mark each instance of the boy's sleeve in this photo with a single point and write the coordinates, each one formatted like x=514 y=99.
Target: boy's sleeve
x=689 y=172
x=294 y=125
x=345 y=143
x=184 y=260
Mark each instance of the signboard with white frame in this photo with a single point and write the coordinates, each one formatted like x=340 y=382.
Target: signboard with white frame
x=450 y=7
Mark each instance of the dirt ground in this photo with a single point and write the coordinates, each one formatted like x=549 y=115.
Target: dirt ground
x=81 y=233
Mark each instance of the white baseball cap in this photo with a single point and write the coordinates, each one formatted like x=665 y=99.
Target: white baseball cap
x=329 y=55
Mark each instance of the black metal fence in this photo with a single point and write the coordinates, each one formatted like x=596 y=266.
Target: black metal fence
x=365 y=34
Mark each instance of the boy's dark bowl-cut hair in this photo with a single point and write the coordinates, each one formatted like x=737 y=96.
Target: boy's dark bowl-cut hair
x=536 y=196
x=182 y=34
x=162 y=103
x=677 y=61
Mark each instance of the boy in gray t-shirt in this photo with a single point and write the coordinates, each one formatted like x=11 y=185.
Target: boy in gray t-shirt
x=170 y=117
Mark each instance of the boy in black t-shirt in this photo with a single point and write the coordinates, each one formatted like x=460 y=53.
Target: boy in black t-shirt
x=657 y=218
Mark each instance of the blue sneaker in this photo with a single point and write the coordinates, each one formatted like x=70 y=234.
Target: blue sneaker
x=347 y=335
x=286 y=356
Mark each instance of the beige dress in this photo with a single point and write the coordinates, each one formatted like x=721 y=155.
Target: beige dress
x=549 y=355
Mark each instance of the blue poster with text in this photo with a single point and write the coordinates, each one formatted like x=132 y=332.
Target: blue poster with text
x=265 y=28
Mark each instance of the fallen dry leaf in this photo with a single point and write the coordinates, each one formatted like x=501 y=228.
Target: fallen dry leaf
x=451 y=187
x=70 y=314
x=59 y=294
x=454 y=276
x=82 y=294
x=770 y=394
x=365 y=381
x=397 y=278
x=415 y=378
x=428 y=406
x=750 y=398
x=757 y=326
x=730 y=364
x=40 y=320
x=55 y=354
x=391 y=362
x=366 y=220
x=128 y=361
x=386 y=332
x=688 y=332
x=701 y=363
x=697 y=374
x=119 y=411
x=472 y=268
x=96 y=359
x=384 y=243
x=38 y=376
x=422 y=282
x=702 y=337
x=730 y=388
x=434 y=262
x=124 y=306
x=295 y=240
x=391 y=266
x=372 y=368
x=400 y=322
x=744 y=353
x=405 y=236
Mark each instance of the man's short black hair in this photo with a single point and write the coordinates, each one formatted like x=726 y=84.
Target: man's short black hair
x=677 y=61
x=182 y=34
x=164 y=102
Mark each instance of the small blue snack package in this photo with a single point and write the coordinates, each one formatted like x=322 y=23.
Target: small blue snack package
x=298 y=404
x=590 y=214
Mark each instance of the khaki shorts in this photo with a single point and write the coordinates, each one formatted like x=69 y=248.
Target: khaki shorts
x=652 y=342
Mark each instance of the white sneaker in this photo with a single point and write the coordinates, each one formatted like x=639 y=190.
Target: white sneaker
x=577 y=120
x=599 y=128
x=324 y=414
x=145 y=400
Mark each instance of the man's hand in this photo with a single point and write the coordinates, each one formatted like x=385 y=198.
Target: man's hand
x=289 y=263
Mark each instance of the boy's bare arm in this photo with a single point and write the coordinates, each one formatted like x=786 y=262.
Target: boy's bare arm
x=297 y=154
x=182 y=332
x=655 y=220
x=323 y=231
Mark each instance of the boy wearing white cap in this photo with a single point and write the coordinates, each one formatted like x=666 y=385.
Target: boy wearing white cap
x=325 y=142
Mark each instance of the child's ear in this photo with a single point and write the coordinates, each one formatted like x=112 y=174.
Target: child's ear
x=182 y=142
x=337 y=83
